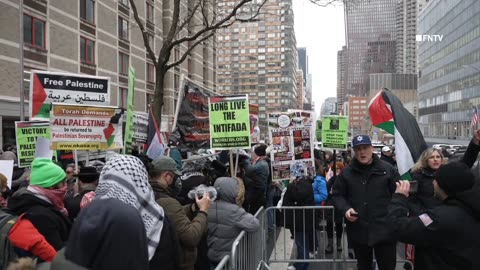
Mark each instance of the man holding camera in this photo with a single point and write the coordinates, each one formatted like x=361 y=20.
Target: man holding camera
x=190 y=221
x=362 y=192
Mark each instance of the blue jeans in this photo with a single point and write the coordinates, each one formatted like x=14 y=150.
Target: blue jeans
x=302 y=243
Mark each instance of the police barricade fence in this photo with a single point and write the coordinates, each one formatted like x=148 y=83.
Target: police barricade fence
x=309 y=229
x=224 y=264
x=247 y=248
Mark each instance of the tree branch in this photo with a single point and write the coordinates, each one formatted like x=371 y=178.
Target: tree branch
x=188 y=18
x=210 y=27
x=188 y=51
x=151 y=54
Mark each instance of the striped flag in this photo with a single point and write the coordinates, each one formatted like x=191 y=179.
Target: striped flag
x=155 y=144
x=475 y=117
x=388 y=113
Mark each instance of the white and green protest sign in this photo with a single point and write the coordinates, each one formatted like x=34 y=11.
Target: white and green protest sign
x=229 y=122
x=129 y=124
x=335 y=132
x=27 y=133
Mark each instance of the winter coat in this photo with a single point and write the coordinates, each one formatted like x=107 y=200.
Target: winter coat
x=368 y=189
x=320 y=193
x=189 y=226
x=388 y=159
x=299 y=193
x=423 y=199
x=50 y=222
x=256 y=176
x=226 y=219
x=447 y=236
x=72 y=204
x=189 y=182
x=60 y=263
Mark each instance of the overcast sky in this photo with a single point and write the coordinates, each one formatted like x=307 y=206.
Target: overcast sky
x=321 y=30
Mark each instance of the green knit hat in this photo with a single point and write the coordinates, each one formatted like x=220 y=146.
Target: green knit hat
x=45 y=173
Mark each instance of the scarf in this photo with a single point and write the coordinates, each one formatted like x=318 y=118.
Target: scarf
x=53 y=196
x=125 y=178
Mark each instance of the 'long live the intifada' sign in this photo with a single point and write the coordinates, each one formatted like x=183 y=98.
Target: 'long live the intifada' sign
x=229 y=122
x=54 y=87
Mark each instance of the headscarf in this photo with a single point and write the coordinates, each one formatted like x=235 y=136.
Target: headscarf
x=101 y=233
x=125 y=178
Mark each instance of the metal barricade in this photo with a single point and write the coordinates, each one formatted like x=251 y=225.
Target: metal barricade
x=247 y=248
x=300 y=236
x=224 y=264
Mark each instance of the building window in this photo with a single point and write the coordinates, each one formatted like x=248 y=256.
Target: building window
x=123 y=63
x=150 y=12
x=149 y=100
x=124 y=2
x=87 y=50
x=150 y=73
x=33 y=31
x=123 y=97
x=87 y=10
x=122 y=28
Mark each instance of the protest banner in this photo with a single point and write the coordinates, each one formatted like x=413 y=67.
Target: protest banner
x=54 y=87
x=229 y=122
x=129 y=123
x=140 y=128
x=291 y=134
x=191 y=123
x=82 y=127
x=254 y=128
x=26 y=136
x=335 y=132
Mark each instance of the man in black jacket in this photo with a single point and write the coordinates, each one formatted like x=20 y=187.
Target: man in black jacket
x=448 y=234
x=362 y=192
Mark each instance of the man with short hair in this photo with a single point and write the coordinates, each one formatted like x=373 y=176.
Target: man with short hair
x=362 y=192
x=448 y=233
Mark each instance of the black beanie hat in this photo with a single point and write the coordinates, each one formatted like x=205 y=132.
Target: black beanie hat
x=260 y=150
x=455 y=177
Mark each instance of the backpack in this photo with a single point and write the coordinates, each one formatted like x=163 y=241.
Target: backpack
x=7 y=252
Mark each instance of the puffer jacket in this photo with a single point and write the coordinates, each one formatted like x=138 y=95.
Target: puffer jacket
x=368 y=189
x=226 y=219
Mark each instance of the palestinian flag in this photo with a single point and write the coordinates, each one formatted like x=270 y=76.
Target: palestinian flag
x=388 y=113
x=155 y=144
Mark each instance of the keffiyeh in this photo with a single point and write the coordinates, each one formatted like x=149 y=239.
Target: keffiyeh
x=125 y=178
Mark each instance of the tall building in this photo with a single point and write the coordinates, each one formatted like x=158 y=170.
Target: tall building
x=309 y=103
x=403 y=86
x=341 y=78
x=91 y=37
x=300 y=90
x=303 y=62
x=259 y=58
x=406 y=30
x=449 y=70
x=329 y=106
x=357 y=112
x=370 y=32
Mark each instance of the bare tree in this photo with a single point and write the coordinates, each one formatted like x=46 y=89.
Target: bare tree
x=190 y=28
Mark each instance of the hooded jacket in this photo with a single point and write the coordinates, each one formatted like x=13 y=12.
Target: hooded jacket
x=50 y=222
x=320 y=193
x=447 y=235
x=226 y=219
x=368 y=189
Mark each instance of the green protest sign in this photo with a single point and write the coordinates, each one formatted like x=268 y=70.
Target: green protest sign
x=129 y=123
x=229 y=122
x=335 y=132
x=26 y=135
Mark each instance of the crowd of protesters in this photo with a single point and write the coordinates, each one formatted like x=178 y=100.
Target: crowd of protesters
x=131 y=212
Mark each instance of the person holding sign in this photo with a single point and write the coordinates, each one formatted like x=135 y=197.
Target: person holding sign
x=256 y=179
x=362 y=192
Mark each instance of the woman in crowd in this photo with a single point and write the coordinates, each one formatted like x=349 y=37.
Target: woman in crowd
x=338 y=219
